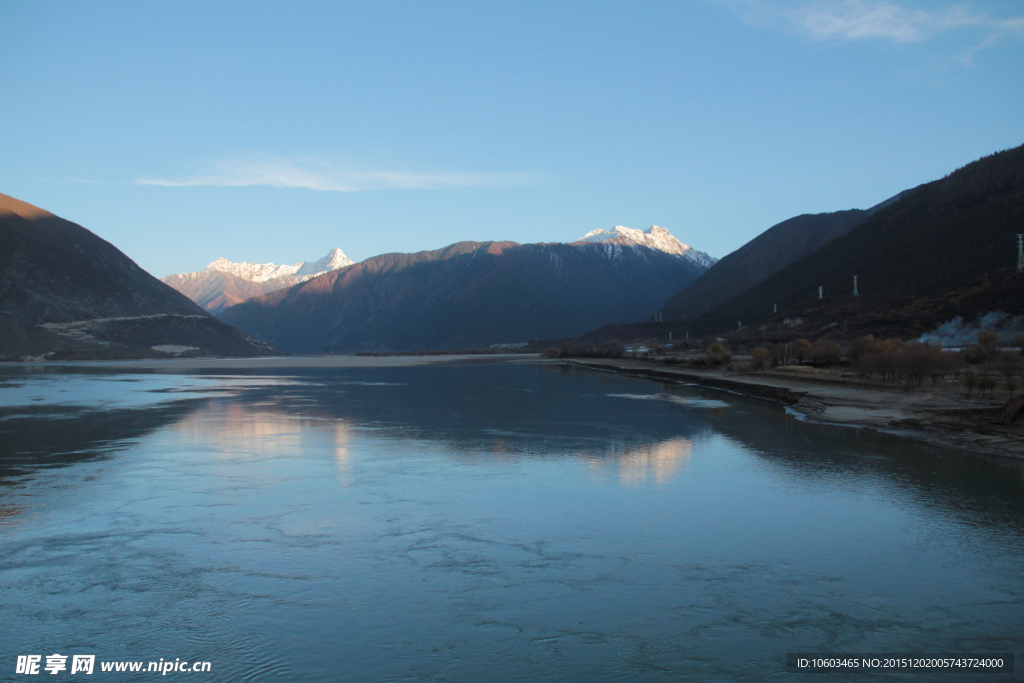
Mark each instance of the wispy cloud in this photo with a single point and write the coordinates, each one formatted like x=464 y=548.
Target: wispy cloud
x=854 y=20
x=324 y=176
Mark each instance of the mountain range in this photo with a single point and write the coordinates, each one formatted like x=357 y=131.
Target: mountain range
x=943 y=250
x=224 y=283
x=469 y=294
x=64 y=289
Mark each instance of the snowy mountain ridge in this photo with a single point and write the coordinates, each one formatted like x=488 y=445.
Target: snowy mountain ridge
x=224 y=283
x=262 y=272
x=655 y=237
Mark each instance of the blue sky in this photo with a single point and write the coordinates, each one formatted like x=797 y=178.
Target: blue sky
x=182 y=132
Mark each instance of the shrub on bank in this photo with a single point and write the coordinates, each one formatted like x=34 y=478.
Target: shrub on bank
x=908 y=363
x=869 y=346
x=801 y=350
x=827 y=352
x=762 y=359
x=716 y=354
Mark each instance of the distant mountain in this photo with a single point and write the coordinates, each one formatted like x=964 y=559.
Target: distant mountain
x=224 y=283
x=55 y=272
x=772 y=250
x=655 y=237
x=469 y=294
x=939 y=237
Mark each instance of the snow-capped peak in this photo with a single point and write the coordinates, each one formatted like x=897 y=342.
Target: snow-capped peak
x=335 y=259
x=261 y=272
x=655 y=237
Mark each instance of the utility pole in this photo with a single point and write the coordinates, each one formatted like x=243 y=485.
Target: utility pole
x=1020 y=253
x=821 y=292
x=855 y=286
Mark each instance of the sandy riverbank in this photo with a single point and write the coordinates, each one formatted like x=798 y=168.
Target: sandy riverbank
x=280 y=362
x=939 y=417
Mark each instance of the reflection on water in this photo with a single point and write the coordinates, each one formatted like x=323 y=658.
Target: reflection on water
x=633 y=465
x=484 y=522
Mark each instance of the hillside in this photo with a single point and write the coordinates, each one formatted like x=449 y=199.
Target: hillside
x=53 y=271
x=769 y=252
x=224 y=283
x=469 y=294
x=939 y=237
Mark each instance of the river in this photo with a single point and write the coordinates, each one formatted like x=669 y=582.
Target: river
x=483 y=521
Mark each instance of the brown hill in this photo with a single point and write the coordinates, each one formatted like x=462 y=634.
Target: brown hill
x=53 y=271
x=466 y=295
x=217 y=291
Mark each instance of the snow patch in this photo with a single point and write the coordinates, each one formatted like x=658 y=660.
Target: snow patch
x=655 y=237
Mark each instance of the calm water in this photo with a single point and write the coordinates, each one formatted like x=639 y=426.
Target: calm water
x=483 y=522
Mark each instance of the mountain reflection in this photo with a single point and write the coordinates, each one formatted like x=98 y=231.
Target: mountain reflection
x=630 y=430
x=287 y=427
x=635 y=465
x=264 y=430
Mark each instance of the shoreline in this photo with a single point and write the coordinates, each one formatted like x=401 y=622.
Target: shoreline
x=933 y=417
x=272 y=362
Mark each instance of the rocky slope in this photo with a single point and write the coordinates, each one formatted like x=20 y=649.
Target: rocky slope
x=224 y=283
x=466 y=295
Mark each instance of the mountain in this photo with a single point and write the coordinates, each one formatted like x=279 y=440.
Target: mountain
x=469 y=294
x=655 y=237
x=55 y=272
x=224 y=283
x=939 y=237
x=772 y=250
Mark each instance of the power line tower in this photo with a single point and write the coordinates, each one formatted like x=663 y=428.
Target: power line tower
x=855 y=286
x=1020 y=253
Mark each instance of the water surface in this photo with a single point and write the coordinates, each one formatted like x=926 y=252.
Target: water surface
x=483 y=522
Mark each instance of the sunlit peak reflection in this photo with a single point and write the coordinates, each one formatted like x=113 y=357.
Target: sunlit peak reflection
x=660 y=461
x=342 y=437
x=234 y=428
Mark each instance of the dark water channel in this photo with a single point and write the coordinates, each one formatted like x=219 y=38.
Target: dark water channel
x=483 y=522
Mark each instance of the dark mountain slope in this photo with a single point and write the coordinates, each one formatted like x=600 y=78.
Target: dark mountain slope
x=769 y=252
x=55 y=272
x=939 y=237
x=469 y=294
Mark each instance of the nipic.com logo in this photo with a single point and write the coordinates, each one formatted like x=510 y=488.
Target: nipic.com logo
x=55 y=663
x=86 y=664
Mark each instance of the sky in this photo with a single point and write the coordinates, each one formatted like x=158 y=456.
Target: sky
x=273 y=131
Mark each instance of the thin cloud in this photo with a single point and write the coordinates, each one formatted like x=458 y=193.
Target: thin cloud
x=856 y=20
x=323 y=176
